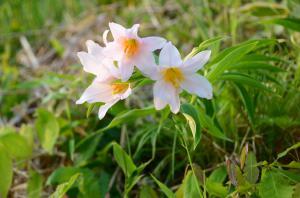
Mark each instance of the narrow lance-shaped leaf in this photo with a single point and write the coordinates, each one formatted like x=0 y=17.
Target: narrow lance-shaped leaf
x=164 y=188
x=230 y=58
x=251 y=169
x=62 y=189
x=123 y=160
x=282 y=154
x=247 y=101
x=192 y=117
x=129 y=116
x=212 y=129
x=244 y=79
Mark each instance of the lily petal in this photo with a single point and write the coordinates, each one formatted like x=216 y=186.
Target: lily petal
x=96 y=92
x=146 y=63
x=175 y=101
x=196 y=62
x=169 y=56
x=153 y=43
x=126 y=69
x=126 y=94
x=104 y=36
x=113 y=50
x=94 y=49
x=160 y=94
x=93 y=65
x=117 y=30
x=133 y=30
x=199 y=85
x=104 y=108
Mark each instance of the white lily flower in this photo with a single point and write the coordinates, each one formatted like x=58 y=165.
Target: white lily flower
x=106 y=87
x=174 y=75
x=131 y=50
x=95 y=62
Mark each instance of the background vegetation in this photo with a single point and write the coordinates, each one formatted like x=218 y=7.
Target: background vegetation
x=243 y=143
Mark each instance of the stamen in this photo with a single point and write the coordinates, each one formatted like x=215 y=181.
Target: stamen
x=130 y=47
x=173 y=76
x=119 y=87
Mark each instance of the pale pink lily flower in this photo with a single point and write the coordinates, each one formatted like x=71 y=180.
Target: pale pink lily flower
x=131 y=50
x=174 y=75
x=106 y=87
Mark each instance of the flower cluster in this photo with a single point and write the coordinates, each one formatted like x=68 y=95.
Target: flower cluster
x=114 y=64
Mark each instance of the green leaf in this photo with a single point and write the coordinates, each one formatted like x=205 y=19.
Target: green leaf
x=205 y=44
x=296 y=191
x=191 y=187
x=251 y=171
x=230 y=57
x=27 y=132
x=212 y=129
x=62 y=189
x=274 y=185
x=214 y=183
x=284 y=153
x=147 y=192
x=216 y=189
x=244 y=79
x=292 y=175
x=247 y=101
x=164 y=188
x=265 y=9
x=35 y=185
x=47 y=129
x=6 y=172
x=192 y=117
x=62 y=175
x=218 y=175
x=90 y=109
x=255 y=65
x=210 y=42
x=86 y=150
x=242 y=184
x=129 y=116
x=123 y=160
x=15 y=145
x=289 y=23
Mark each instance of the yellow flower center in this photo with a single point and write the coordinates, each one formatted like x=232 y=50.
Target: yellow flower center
x=173 y=76
x=130 y=47
x=119 y=87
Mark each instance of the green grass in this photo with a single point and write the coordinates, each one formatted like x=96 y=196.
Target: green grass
x=48 y=144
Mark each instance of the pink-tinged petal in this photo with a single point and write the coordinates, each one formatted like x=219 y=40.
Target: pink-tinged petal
x=104 y=108
x=104 y=36
x=113 y=50
x=199 y=85
x=92 y=65
x=175 y=101
x=117 y=30
x=94 y=49
x=164 y=94
x=153 y=43
x=126 y=94
x=169 y=56
x=145 y=62
x=132 y=32
x=196 y=62
x=126 y=69
x=160 y=94
x=96 y=92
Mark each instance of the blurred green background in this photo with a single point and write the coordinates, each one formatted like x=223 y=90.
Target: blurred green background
x=41 y=78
